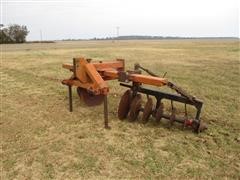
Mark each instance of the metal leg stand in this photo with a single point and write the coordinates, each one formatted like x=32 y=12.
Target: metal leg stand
x=70 y=97
x=106 y=113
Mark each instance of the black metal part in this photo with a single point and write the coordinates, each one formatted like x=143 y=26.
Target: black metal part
x=70 y=97
x=123 y=76
x=159 y=95
x=134 y=88
x=105 y=107
x=74 y=68
x=106 y=113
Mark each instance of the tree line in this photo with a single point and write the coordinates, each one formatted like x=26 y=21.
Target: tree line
x=13 y=33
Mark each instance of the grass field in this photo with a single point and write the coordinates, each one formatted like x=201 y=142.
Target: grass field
x=41 y=139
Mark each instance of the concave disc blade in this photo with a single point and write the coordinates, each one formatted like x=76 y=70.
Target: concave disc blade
x=88 y=98
x=159 y=112
x=124 y=104
x=147 y=110
x=135 y=107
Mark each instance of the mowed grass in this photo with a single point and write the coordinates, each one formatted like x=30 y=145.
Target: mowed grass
x=41 y=139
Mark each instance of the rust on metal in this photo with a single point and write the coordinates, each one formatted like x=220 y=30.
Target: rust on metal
x=172 y=116
x=159 y=112
x=88 y=98
x=135 y=107
x=124 y=104
x=147 y=111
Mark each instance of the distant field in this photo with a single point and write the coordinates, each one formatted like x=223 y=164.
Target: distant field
x=41 y=139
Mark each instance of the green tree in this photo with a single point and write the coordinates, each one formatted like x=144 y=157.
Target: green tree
x=14 y=34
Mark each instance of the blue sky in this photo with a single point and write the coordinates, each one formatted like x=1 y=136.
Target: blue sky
x=59 y=19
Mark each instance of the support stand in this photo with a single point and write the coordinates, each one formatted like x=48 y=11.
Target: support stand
x=70 y=98
x=105 y=107
x=106 y=113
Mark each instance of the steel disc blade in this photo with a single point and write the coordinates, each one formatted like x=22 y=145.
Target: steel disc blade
x=159 y=112
x=147 y=110
x=124 y=105
x=172 y=116
x=135 y=107
x=88 y=98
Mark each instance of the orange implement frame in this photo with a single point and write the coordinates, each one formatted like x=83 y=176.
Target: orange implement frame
x=90 y=76
x=93 y=76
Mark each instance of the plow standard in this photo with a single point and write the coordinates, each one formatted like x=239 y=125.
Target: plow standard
x=90 y=79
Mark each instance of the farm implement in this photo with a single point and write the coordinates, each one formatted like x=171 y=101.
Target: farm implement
x=90 y=79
